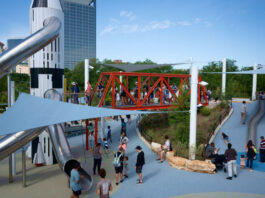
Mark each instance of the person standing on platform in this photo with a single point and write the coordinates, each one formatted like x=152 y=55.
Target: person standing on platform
x=243 y=112
x=139 y=164
x=231 y=156
x=262 y=149
x=97 y=158
x=75 y=178
x=88 y=93
x=104 y=185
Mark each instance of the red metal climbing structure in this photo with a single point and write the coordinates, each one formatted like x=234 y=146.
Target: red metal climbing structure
x=151 y=82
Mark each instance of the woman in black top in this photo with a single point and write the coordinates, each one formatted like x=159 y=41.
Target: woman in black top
x=250 y=149
x=139 y=164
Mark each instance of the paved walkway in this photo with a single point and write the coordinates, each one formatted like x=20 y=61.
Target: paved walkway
x=162 y=181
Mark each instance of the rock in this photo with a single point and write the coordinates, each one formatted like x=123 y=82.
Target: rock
x=200 y=166
x=169 y=154
x=155 y=147
x=177 y=161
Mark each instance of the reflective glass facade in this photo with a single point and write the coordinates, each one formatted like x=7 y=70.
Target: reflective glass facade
x=79 y=31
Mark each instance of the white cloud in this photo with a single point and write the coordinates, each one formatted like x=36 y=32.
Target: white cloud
x=127 y=14
x=207 y=24
x=184 y=23
x=120 y=26
x=157 y=25
x=197 y=20
x=108 y=29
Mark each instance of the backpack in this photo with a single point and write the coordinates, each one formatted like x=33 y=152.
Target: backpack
x=170 y=147
x=117 y=160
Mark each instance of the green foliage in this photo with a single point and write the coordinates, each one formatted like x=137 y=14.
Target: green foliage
x=205 y=111
x=154 y=121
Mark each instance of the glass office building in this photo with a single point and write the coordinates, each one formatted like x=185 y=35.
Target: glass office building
x=79 y=31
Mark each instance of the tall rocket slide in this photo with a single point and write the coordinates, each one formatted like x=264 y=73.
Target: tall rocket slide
x=45 y=45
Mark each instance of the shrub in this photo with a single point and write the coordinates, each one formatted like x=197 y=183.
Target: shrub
x=205 y=111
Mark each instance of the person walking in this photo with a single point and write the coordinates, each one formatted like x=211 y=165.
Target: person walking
x=139 y=164
x=231 y=156
x=75 y=179
x=104 y=185
x=109 y=134
x=262 y=149
x=118 y=165
x=250 y=149
x=243 y=112
x=88 y=93
x=97 y=158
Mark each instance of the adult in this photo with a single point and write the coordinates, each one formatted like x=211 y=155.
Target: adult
x=250 y=149
x=75 y=179
x=100 y=90
x=118 y=165
x=262 y=149
x=75 y=93
x=231 y=156
x=139 y=164
x=97 y=158
x=218 y=160
x=123 y=126
x=104 y=185
x=243 y=112
x=123 y=141
x=163 y=149
x=88 y=93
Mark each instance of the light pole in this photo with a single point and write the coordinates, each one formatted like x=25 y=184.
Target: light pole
x=224 y=77
x=193 y=110
x=87 y=67
x=254 y=83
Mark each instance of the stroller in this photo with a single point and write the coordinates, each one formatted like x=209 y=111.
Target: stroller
x=220 y=161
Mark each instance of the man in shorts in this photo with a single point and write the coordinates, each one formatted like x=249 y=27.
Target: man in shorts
x=75 y=179
x=104 y=185
x=139 y=164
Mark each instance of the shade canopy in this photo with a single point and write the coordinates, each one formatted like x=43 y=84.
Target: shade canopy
x=139 y=67
x=31 y=112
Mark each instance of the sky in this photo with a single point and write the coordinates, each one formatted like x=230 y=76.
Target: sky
x=167 y=31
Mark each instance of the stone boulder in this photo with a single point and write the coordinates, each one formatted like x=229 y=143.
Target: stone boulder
x=177 y=161
x=155 y=147
x=200 y=166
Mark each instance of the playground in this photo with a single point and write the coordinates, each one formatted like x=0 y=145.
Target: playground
x=52 y=139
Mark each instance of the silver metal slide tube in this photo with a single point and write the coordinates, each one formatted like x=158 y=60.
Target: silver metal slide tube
x=30 y=45
x=64 y=156
x=11 y=143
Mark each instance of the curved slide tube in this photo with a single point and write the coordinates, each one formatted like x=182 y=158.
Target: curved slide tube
x=11 y=143
x=252 y=127
x=30 y=45
x=64 y=156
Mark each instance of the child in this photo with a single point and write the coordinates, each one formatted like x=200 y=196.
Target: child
x=105 y=144
x=242 y=162
x=75 y=181
x=91 y=139
x=125 y=165
x=117 y=98
x=109 y=134
x=225 y=138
